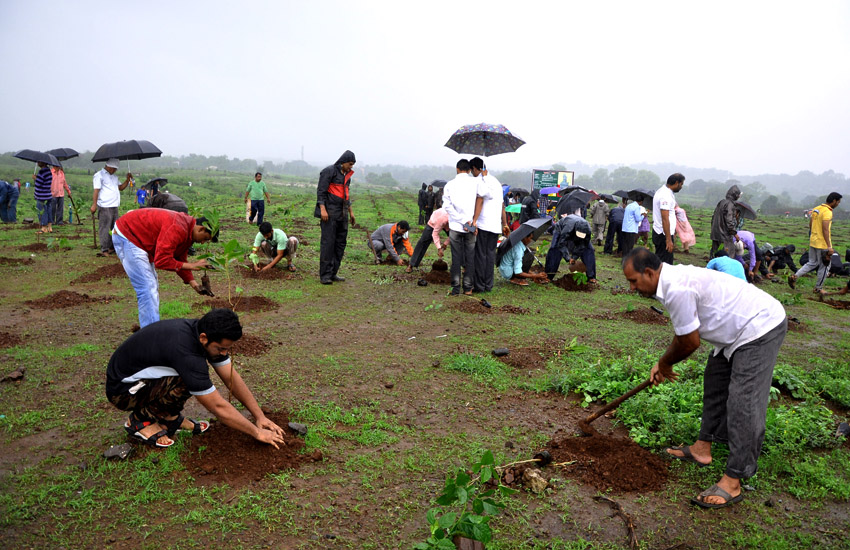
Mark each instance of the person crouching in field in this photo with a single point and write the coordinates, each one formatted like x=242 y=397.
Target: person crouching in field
x=274 y=245
x=155 y=371
x=153 y=238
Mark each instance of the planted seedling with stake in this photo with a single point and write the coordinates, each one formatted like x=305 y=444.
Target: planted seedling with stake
x=231 y=252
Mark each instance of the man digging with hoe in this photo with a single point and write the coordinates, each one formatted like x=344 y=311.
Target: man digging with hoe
x=747 y=327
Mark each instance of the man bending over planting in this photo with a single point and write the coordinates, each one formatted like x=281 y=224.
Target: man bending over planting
x=158 y=368
x=274 y=245
x=747 y=327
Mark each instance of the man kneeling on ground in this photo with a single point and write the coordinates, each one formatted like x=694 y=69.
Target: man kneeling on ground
x=155 y=371
x=274 y=245
x=391 y=237
x=510 y=266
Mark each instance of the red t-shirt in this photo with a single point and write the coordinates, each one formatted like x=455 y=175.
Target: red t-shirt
x=164 y=234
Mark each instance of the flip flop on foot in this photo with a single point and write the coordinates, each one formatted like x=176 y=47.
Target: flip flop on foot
x=687 y=456
x=715 y=491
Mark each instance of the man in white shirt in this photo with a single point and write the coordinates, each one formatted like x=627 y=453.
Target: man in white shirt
x=747 y=327
x=105 y=201
x=490 y=220
x=459 y=202
x=664 y=217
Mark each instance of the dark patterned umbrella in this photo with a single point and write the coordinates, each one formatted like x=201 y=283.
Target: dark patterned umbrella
x=64 y=153
x=484 y=139
x=37 y=156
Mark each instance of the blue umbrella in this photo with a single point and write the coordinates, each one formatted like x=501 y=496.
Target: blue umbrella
x=550 y=190
x=484 y=139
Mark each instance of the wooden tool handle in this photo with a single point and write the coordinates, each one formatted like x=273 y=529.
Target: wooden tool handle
x=616 y=403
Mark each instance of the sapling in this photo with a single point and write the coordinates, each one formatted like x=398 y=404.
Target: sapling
x=231 y=252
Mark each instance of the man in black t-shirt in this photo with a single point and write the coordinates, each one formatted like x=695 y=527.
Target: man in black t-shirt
x=155 y=371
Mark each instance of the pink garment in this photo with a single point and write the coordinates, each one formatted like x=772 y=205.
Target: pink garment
x=59 y=186
x=439 y=220
x=684 y=229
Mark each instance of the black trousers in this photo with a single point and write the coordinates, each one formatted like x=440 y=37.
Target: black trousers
x=615 y=230
x=332 y=248
x=629 y=240
x=485 y=260
x=660 y=242
x=422 y=246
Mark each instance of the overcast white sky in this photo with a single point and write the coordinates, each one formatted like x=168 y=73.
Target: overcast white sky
x=751 y=87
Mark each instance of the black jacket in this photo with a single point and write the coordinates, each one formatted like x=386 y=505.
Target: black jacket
x=332 y=175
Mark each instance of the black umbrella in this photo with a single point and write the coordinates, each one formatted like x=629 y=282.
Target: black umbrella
x=621 y=194
x=438 y=183
x=642 y=195
x=566 y=190
x=520 y=190
x=151 y=182
x=609 y=198
x=64 y=153
x=37 y=156
x=572 y=202
x=746 y=210
x=126 y=150
x=534 y=227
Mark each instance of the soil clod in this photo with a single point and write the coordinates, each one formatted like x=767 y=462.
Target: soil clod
x=65 y=298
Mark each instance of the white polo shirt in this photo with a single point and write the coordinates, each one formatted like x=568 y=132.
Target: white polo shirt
x=664 y=199
x=459 y=200
x=727 y=311
x=109 y=196
x=490 y=218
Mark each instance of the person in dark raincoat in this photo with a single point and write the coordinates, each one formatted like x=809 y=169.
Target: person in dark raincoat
x=530 y=208
x=429 y=202
x=724 y=223
x=571 y=241
x=333 y=206
x=422 y=202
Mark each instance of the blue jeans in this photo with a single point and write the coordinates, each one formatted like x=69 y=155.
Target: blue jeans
x=12 y=205
x=258 y=208
x=142 y=274
x=45 y=211
x=4 y=195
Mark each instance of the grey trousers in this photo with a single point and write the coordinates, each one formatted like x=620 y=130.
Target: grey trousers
x=815 y=262
x=105 y=222
x=485 y=260
x=463 y=256
x=735 y=397
x=58 y=209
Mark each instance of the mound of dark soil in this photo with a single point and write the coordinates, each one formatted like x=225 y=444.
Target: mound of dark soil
x=243 y=304
x=518 y=310
x=567 y=283
x=251 y=346
x=795 y=325
x=104 y=272
x=837 y=304
x=435 y=277
x=620 y=465
x=524 y=358
x=225 y=455
x=8 y=340
x=439 y=265
x=276 y=273
x=643 y=315
x=66 y=298
x=475 y=306
x=34 y=247
x=16 y=261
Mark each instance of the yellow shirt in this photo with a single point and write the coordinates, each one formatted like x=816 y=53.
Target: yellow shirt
x=820 y=214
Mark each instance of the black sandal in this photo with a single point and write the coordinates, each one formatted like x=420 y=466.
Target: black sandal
x=134 y=431
x=198 y=427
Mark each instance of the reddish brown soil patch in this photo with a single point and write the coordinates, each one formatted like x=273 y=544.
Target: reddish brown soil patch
x=8 y=340
x=16 y=261
x=246 y=303
x=837 y=304
x=468 y=305
x=567 y=283
x=438 y=277
x=273 y=274
x=34 y=247
x=225 y=455
x=620 y=465
x=251 y=346
x=66 y=298
x=644 y=316
x=795 y=325
x=524 y=358
x=103 y=272
x=507 y=308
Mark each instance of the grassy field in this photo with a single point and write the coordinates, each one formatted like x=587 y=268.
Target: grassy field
x=399 y=388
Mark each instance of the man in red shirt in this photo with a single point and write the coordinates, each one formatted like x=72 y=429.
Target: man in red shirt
x=153 y=238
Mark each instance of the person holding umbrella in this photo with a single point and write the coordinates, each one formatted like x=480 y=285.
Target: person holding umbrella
x=44 y=197
x=459 y=201
x=333 y=207
x=58 y=188
x=106 y=199
x=490 y=220
x=510 y=266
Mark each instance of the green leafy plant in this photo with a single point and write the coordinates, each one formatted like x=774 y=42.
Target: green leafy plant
x=231 y=251
x=788 y=299
x=579 y=278
x=433 y=306
x=470 y=499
